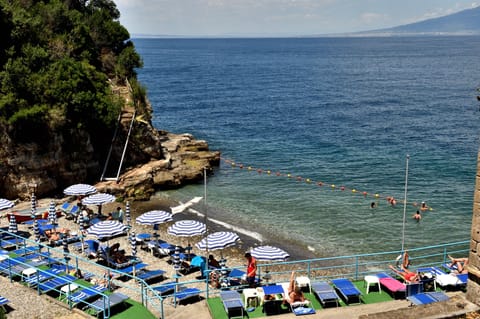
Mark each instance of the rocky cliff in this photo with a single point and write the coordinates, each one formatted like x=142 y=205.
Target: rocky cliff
x=152 y=160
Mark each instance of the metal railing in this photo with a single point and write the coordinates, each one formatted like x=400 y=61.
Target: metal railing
x=318 y=269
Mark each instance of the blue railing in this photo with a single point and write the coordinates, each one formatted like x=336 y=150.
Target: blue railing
x=318 y=269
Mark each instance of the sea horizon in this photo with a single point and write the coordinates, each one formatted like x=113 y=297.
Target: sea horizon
x=310 y=113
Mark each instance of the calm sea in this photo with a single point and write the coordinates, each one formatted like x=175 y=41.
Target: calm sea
x=342 y=111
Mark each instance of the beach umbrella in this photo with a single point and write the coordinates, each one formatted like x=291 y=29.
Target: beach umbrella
x=187 y=228
x=107 y=229
x=98 y=199
x=176 y=262
x=36 y=231
x=133 y=243
x=154 y=217
x=52 y=214
x=80 y=190
x=33 y=206
x=12 y=227
x=269 y=253
x=5 y=204
x=218 y=240
x=65 y=246
x=128 y=218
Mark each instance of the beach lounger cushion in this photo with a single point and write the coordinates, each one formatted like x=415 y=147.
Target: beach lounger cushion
x=151 y=274
x=55 y=283
x=3 y=302
x=232 y=302
x=348 y=290
x=391 y=284
x=325 y=293
x=86 y=294
x=186 y=293
x=166 y=288
x=100 y=305
x=427 y=297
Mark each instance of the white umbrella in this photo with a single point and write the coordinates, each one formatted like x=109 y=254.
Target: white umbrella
x=269 y=253
x=107 y=229
x=52 y=214
x=128 y=218
x=5 y=204
x=187 y=228
x=12 y=227
x=218 y=240
x=154 y=217
x=98 y=199
x=34 y=206
x=80 y=189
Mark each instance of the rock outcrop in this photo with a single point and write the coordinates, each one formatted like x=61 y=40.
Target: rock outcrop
x=152 y=160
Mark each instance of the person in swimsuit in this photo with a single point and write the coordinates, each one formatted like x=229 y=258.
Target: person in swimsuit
x=407 y=275
x=295 y=294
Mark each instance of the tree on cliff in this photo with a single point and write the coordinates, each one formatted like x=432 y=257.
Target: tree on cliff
x=57 y=58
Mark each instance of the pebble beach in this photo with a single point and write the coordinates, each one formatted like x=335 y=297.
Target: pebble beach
x=46 y=307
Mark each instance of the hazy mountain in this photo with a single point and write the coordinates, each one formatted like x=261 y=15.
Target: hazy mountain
x=463 y=22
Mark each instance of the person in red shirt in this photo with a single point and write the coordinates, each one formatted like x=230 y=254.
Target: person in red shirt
x=251 y=269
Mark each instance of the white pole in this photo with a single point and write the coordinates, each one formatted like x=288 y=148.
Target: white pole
x=405 y=204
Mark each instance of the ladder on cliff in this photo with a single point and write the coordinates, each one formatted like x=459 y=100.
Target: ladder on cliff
x=115 y=134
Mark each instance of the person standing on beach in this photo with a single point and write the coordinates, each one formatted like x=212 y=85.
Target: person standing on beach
x=251 y=269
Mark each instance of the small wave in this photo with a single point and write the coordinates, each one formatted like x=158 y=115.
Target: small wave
x=237 y=229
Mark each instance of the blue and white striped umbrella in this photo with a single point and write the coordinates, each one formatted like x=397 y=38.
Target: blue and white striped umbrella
x=269 y=253
x=98 y=199
x=128 y=218
x=34 y=206
x=13 y=227
x=133 y=243
x=5 y=204
x=187 y=228
x=107 y=228
x=36 y=230
x=218 y=240
x=65 y=246
x=80 y=189
x=154 y=217
x=52 y=214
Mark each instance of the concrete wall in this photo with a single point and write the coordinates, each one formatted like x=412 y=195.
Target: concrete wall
x=473 y=287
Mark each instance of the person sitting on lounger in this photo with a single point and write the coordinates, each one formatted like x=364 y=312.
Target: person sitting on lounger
x=459 y=265
x=295 y=293
x=407 y=275
x=212 y=262
x=117 y=254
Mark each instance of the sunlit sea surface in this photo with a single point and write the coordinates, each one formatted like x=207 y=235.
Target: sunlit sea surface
x=339 y=111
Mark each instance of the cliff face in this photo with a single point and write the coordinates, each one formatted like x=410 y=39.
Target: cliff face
x=153 y=160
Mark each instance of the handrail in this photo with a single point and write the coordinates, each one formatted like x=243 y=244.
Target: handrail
x=353 y=266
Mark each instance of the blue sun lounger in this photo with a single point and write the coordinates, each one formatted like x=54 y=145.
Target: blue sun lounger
x=3 y=302
x=186 y=293
x=147 y=275
x=105 y=304
x=86 y=294
x=41 y=276
x=348 y=290
x=325 y=293
x=166 y=288
x=129 y=270
x=232 y=302
x=55 y=283
x=424 y=298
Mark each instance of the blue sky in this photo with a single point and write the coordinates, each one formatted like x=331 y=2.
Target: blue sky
x=276 y=17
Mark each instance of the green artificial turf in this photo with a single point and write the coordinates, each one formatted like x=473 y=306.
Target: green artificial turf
x=218 y=312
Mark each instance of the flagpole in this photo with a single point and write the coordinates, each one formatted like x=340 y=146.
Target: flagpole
x=405 y=204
